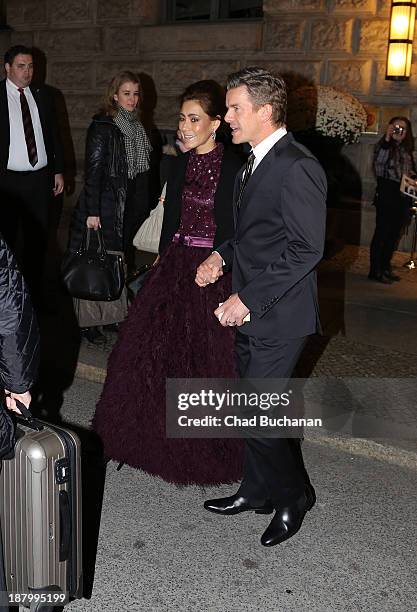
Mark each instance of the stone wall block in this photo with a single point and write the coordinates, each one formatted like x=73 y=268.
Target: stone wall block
x=138 y=11
x=166 y=112
x=78 y=140
x=296 y=74
x=15 y=13
x=201 y=37
x=121 y=41
x=284 y=36
x=175 y=76
x=403 y=91
x=70 y=75
x=71 y=11
x=274 y=7
x=373 y=35
x=35 y=12
x=83 y=41
x=109 y=10
x=19 y=37
x=5 y=41
x=147 y=11
x=331 y=35
x=384 y=6
x=350 y=76
x=355 y=5
x=23 y=12
x=81 y=108
x=106 y=70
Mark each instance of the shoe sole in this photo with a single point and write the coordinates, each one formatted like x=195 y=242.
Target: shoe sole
x=256 y=511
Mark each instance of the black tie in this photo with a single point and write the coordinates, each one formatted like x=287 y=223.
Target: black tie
x=246 y=177
x=28 y=129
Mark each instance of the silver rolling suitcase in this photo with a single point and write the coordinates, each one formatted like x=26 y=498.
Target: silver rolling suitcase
x=40 y=516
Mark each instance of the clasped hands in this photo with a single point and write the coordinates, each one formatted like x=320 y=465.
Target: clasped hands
x=233 y=310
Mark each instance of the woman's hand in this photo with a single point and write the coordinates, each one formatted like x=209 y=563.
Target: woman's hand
x=389 y=132
x=156 y=262
x=93 y=223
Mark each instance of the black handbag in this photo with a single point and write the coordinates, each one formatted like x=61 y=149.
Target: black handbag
x=93 y=275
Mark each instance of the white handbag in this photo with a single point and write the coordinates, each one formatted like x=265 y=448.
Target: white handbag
x=148 y=235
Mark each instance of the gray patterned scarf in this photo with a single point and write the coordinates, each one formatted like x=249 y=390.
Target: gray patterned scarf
x=137 y=145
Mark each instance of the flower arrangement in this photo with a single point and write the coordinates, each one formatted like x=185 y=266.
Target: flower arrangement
x=331 y=112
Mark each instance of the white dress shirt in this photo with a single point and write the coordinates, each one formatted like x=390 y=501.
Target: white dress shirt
x=266 y=145
x=18 y=153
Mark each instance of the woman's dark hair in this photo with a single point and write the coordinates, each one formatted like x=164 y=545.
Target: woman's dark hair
x=408 y=142
x=109 y=106
x=210 y=95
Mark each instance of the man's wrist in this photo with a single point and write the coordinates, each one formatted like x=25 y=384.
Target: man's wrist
x=217 y=253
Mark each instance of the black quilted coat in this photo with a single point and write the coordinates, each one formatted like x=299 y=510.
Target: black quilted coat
x=105 y=187
x=19 y=336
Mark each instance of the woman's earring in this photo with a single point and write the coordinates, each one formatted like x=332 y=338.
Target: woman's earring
x=213 y=134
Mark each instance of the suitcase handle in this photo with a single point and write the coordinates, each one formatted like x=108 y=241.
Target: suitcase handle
x=64 y=526
x=26 y=417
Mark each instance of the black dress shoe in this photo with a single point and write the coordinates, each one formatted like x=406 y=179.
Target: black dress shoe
x=380 y=278
x=390 y=276
x=236 y=504
x=288 y=520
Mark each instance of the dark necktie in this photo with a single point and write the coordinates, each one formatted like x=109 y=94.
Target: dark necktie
x=28 y=129
x=246 y=177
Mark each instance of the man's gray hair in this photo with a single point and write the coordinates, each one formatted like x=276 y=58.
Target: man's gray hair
x=264 y=88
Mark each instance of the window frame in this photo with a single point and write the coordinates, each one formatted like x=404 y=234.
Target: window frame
x=219 y=10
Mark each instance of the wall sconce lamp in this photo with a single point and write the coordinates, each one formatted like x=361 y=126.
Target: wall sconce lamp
x=400 y=41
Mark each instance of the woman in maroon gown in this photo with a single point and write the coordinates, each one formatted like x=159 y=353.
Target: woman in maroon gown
x=171 y=331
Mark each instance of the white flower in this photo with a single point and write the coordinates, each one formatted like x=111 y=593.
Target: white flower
x=331 y=112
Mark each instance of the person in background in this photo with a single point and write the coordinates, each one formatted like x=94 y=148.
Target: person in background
x=393 y=157
x=31 y=164
x=115 y=194
x=170 y=331
x=19 y=346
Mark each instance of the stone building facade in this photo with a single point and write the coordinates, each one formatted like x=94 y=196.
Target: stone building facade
x=341 y=43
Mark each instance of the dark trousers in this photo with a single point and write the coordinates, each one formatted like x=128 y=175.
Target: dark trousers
x=136 y=211
x=24 y=208
x=391 y=214
x=273 y=467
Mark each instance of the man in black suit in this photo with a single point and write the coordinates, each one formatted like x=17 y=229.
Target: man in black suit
x=31 y=163
x=279 y=237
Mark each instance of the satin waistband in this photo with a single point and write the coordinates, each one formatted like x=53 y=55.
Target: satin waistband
x=195 y=241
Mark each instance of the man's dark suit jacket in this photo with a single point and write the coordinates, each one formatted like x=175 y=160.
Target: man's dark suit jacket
x=279 y=240
x=49 y=129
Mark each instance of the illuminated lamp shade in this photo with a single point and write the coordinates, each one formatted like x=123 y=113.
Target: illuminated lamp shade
x=400 y=42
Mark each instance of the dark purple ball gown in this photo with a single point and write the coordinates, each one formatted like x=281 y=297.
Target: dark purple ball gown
x=171 y=332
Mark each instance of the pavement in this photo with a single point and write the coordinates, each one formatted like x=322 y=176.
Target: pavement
x=151 y=547
x=158 y=550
